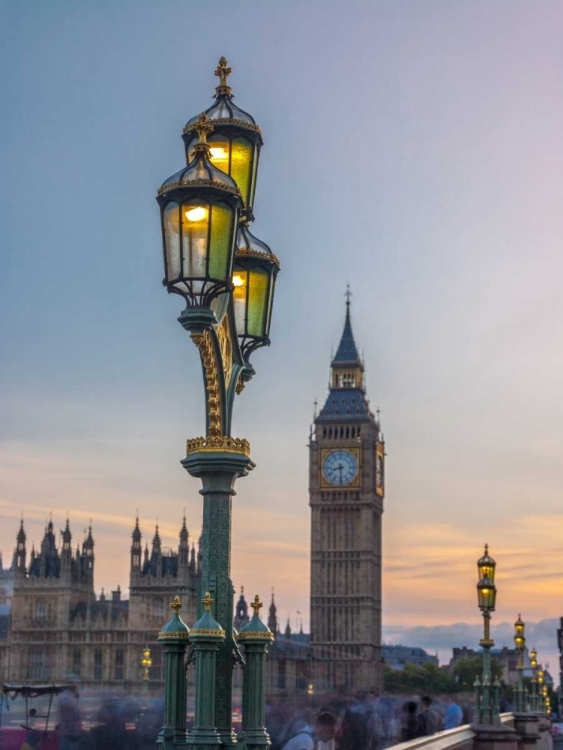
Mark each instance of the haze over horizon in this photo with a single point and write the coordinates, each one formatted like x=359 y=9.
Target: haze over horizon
x=412 y=150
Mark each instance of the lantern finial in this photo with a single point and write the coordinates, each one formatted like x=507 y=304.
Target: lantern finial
x=207 y=601
x=256 y=605
x=176 y=605
x=223 y=72
x=203 y=127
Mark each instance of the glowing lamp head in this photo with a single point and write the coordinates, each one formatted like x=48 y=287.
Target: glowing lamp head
x=540 y=676
x=254 y=278
x=200 y=207
x=486 y=566
x=234 y=146
x=486 y=595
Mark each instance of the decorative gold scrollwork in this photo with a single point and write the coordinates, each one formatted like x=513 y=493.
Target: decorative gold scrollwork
x=226 y=348
x=204 y=343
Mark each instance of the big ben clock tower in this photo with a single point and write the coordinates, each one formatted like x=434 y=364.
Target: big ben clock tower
x=346 y=488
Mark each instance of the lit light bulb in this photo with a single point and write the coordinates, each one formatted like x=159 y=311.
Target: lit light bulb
x=218 y=153
x=196 y=214
x=238 y=280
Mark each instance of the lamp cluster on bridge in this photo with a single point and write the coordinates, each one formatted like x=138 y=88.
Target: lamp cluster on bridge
x=486 y=687
x=226 y=277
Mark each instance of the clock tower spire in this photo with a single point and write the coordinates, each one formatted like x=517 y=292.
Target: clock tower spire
x=346 y=489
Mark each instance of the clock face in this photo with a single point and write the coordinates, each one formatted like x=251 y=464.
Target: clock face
x=340 y=468
x=379 y=471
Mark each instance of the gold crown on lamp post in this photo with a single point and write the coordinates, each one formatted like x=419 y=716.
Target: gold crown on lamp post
x=256 y=605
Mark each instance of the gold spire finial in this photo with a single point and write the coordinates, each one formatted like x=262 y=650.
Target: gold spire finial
x=176 y=605
x=207 y=601
x=256 y=605
x=223 y=72
x=203 y=127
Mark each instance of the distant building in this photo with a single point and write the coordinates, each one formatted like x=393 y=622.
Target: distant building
x=53 y=627
x=58 y=629
x=346 y=490
x=397 y=657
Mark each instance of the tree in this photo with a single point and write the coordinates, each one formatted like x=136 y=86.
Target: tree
x=427 y=678
x=467 y=669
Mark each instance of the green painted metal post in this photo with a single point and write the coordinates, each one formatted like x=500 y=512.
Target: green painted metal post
x=255 y=637
x=207 y=637
x=174 y=636
x=218 y=470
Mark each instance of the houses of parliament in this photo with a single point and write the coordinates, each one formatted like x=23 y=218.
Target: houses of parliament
x=53 y=626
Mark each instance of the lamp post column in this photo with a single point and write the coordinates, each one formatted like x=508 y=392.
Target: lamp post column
x=256 y=637
x=174 y=636
x=207 y=637
x=218 y=470
x=487 y=714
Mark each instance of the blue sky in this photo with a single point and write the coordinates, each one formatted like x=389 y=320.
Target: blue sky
x=412 y=149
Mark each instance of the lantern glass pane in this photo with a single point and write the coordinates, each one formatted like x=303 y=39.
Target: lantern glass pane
x=240 y=292
x=220 y=152
x=241 y=165
x=171 y=223
x=221 y=240
x=258 y=298
x=195 y=234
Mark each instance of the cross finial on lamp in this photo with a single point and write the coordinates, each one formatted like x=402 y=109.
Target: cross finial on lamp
x=223 y=72
x=256 y=605
x=176 y=605
x=207 y=601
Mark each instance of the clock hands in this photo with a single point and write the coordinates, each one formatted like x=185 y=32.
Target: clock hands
x=340 y=469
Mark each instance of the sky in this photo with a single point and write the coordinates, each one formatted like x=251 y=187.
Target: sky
x=412 y=150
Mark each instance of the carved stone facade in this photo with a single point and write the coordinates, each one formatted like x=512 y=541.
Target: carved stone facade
x=346 y=488
x=58 y=629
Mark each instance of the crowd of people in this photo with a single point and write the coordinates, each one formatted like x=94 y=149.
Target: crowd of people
x=370 y=722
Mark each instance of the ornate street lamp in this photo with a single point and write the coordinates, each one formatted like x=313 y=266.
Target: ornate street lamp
x=200 y=207
x=146 y=663
x=226 y=277
x=236 y=141
x=520 y=644
x=488 y=712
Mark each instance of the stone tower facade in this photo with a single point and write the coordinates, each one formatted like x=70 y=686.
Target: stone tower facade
x=346 y=489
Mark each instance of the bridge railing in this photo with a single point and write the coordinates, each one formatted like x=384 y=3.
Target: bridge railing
x=469 y=737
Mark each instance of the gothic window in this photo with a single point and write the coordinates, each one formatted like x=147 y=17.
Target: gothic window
x=76 y=661
x=119 y=662
x=98 y=663
x=158 y=605
x=36 y=664
x=40 y=611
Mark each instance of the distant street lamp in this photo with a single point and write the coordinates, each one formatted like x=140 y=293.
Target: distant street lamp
x=487 y=690
x=520 y=644
x=146 y=663
x=310 y=692
x=534 y=666
x=226 y=277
